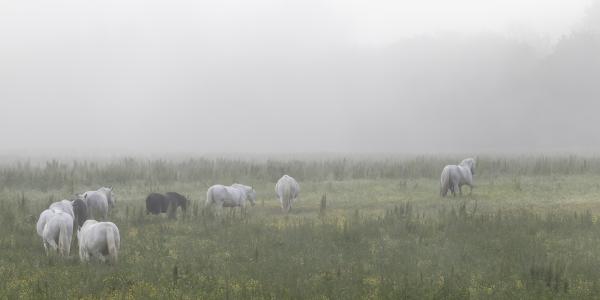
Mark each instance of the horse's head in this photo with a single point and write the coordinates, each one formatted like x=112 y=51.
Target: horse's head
x=184 y=203
x=251 y=196
x=110 y=196
x=469 y=162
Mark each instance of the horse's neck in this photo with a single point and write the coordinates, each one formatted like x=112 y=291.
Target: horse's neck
x=465 y=169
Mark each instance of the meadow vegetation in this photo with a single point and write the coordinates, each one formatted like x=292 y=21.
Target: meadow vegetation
x=364 y=228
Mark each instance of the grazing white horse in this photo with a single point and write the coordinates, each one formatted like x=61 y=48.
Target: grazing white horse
x=55 y=227
x=235 y=195
x=98 y=202
x=100 y=240
x=454 y=177
x=287 y=189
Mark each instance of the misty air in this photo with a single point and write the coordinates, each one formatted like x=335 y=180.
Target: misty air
x=299 y=149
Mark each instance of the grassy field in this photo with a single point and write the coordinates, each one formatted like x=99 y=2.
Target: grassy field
x=529 y=230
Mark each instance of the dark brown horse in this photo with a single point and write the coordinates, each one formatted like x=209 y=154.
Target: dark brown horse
x=158 y=203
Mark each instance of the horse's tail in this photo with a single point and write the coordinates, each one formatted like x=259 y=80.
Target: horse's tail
x=112 y=248
x=209 y=196
x=41 y=223
x=287 y=195
x=445 y=182
x=64 y=246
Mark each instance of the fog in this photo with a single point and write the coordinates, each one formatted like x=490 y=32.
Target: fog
x=269 y=76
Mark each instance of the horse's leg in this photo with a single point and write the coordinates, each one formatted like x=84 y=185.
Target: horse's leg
x=470 y=189
x=81 y=254
x=87 y=255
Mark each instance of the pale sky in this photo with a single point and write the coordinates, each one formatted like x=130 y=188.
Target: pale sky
x=385 y=21
x=281 y=76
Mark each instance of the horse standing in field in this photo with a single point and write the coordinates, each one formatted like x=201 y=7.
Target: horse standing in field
x=55 y=224
x=235 y=195
x=99 y=202
x=55 y=227
x=287 y=189
x=100 y=240
x=455 y=176
x=158 y=203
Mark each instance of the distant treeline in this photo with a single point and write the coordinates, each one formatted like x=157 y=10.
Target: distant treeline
x=56 y=174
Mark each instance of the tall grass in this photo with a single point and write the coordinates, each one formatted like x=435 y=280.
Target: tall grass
x=363 y=229
x=56 y=174
x=401 y=254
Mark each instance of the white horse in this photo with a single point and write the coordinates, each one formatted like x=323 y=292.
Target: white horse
x=98 y=202
x=235 y=195
x=454 y=177
x=100 y=240
x=287 y=189
x=55 y=227
x=75 y=209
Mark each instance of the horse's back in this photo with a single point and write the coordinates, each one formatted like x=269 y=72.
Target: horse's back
x=176 y=199
x=221 y=192
x=97 y=204
x=96 y=199
x=63 y=205
x=227 y=196
x=175 y=195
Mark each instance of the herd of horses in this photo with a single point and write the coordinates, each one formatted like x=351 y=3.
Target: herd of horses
x=96 y=239
x=101 y=239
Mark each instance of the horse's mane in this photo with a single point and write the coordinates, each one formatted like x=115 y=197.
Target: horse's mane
x=239 y=185
x=468 y=162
